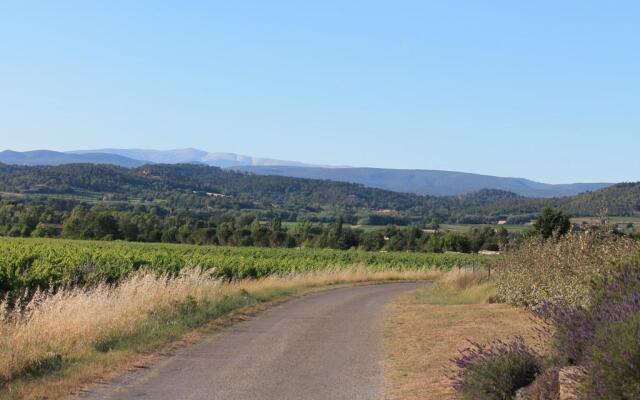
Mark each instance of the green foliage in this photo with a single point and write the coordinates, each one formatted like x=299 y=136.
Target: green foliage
x=552 y=223
x=31 y=263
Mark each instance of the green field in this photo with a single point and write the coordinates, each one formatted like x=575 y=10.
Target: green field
x=30 y=263
x=443 y=227
x=612 y=220
x=465 y=227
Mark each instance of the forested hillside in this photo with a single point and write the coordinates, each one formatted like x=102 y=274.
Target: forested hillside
x=426 y=182
x=162 y=202
x=620 y=199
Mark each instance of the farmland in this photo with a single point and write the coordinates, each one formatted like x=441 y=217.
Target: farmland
x=31 y=263
x=462 y=228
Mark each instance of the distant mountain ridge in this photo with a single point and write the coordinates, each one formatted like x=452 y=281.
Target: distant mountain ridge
x=428 y=182
x=423 y=182
x=48 y=157
x=191 y=156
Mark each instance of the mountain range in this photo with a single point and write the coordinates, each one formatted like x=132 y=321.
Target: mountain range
x=428 y=182
x=192 y=156
x=48 y=157
x=423 y=182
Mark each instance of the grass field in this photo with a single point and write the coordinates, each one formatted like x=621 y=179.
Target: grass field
x=613 y=220
x=466 y=227
x=443 y=227
x=621 y=223
x=85 y=197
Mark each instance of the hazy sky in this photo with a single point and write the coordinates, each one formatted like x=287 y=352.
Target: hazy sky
x=548 y=90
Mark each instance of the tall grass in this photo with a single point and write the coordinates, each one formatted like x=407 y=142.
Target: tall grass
x=461 y=286
x=50 y=330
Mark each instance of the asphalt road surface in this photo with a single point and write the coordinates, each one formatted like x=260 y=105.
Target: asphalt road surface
x=325 y=346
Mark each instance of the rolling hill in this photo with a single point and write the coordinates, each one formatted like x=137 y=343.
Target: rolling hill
x=416 y=181
x=204 y=188
x=428 y=182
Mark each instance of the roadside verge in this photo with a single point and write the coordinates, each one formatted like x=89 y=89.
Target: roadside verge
x=425 y=329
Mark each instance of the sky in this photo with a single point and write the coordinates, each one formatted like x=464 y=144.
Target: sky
x=547 y=90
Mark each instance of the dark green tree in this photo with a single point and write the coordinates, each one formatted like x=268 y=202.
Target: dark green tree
x=552 y=223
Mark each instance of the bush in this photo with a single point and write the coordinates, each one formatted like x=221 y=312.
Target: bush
x=586 y=287
x=612 y=361
x=559 y=270
x=495 y=371
x=603 y=339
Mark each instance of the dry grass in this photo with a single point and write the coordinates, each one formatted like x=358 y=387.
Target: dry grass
x=459 y=287
x=75 y=335
x=425 y=329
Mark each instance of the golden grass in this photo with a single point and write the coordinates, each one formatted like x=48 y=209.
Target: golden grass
x=426 y=328
x=459 y=287
x=56 y=342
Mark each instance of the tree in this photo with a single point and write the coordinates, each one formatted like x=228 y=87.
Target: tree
x=552 y=223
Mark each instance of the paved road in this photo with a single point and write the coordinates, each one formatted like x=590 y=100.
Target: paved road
x=324 y=346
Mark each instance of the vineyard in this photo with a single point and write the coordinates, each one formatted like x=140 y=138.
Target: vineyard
x=44 y=263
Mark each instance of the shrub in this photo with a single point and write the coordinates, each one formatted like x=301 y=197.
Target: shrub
x=559 y=270
x=495 y=371
x=612 y=361
x=602 y=339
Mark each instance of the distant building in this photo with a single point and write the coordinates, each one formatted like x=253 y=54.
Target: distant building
x=502 y=222
x=489 y=252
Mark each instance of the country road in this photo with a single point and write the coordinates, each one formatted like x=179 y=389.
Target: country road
x=325 y=345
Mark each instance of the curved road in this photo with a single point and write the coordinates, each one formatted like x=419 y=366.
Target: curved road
x=325 y=345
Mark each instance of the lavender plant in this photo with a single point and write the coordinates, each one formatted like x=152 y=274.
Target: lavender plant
x=612 y=360
x=604 y=339
x=570 y=329
x=495 y=371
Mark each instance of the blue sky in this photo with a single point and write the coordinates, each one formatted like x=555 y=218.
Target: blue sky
x=548 y=90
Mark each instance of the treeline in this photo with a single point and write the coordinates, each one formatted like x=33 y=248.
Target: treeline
x=155 y=224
